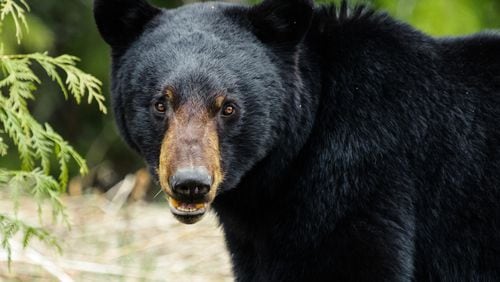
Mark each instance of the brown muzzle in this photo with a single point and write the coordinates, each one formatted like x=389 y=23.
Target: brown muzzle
x=190 y=170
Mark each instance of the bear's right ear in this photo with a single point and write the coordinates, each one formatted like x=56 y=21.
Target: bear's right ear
x=121 y=21
x=282 y=21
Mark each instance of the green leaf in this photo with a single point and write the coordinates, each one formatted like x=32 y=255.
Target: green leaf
x=17 y=10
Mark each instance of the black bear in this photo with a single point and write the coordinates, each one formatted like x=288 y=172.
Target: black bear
x=333 y=143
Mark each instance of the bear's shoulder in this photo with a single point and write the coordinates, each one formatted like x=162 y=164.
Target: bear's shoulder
x=476 y=55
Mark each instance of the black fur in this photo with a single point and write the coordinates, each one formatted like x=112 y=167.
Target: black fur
x=364 y=150
x=281 y=21
x=121 y=21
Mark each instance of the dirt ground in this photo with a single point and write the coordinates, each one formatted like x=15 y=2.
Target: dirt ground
x=127 y=242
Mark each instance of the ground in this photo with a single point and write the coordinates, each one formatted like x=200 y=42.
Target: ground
x=139 y=242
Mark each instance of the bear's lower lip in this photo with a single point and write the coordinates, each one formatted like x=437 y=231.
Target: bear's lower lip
x=187 y=213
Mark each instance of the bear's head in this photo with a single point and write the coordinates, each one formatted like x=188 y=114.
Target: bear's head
x=202 y=92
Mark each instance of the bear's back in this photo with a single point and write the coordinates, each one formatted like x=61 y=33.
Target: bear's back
x=397 y=97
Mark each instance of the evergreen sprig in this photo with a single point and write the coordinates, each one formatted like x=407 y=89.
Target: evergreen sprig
x=10 y=226
x=37 y=145
x=17 y=9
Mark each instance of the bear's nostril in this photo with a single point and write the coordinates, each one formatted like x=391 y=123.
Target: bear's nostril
x=191 y=189
x=192 y=182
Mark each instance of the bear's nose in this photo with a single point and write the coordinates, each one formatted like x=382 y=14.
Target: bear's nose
x=191 y=182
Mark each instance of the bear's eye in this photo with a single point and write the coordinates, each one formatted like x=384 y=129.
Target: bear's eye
x=160 y=107
x=228 y=110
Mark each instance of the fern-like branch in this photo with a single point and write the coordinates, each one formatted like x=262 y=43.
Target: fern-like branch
x=36 y=144
x=42 y=187
x=17 y=10
x=9 y=227
x=78 y=83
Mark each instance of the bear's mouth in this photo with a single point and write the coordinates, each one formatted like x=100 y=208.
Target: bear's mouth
x=187 y=213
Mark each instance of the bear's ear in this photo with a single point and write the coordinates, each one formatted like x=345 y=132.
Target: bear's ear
x=121 y=21
x=282 y=21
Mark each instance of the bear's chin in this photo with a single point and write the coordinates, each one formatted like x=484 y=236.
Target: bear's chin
x=188 y=219
x=187 y=213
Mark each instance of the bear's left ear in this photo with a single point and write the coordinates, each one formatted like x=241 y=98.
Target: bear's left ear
x=121 y=21
x=282 y=21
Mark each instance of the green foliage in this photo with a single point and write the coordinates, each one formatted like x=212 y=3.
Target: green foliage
x=437 y=17
x=9 y=227
x=17 y=9
x=37 y=145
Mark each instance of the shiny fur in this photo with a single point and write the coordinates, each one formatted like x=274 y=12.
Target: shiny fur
x=364 y=150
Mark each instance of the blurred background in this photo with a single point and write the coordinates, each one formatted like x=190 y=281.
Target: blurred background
x=67 y=27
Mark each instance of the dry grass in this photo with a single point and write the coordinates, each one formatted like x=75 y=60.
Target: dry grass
x=137 y=242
